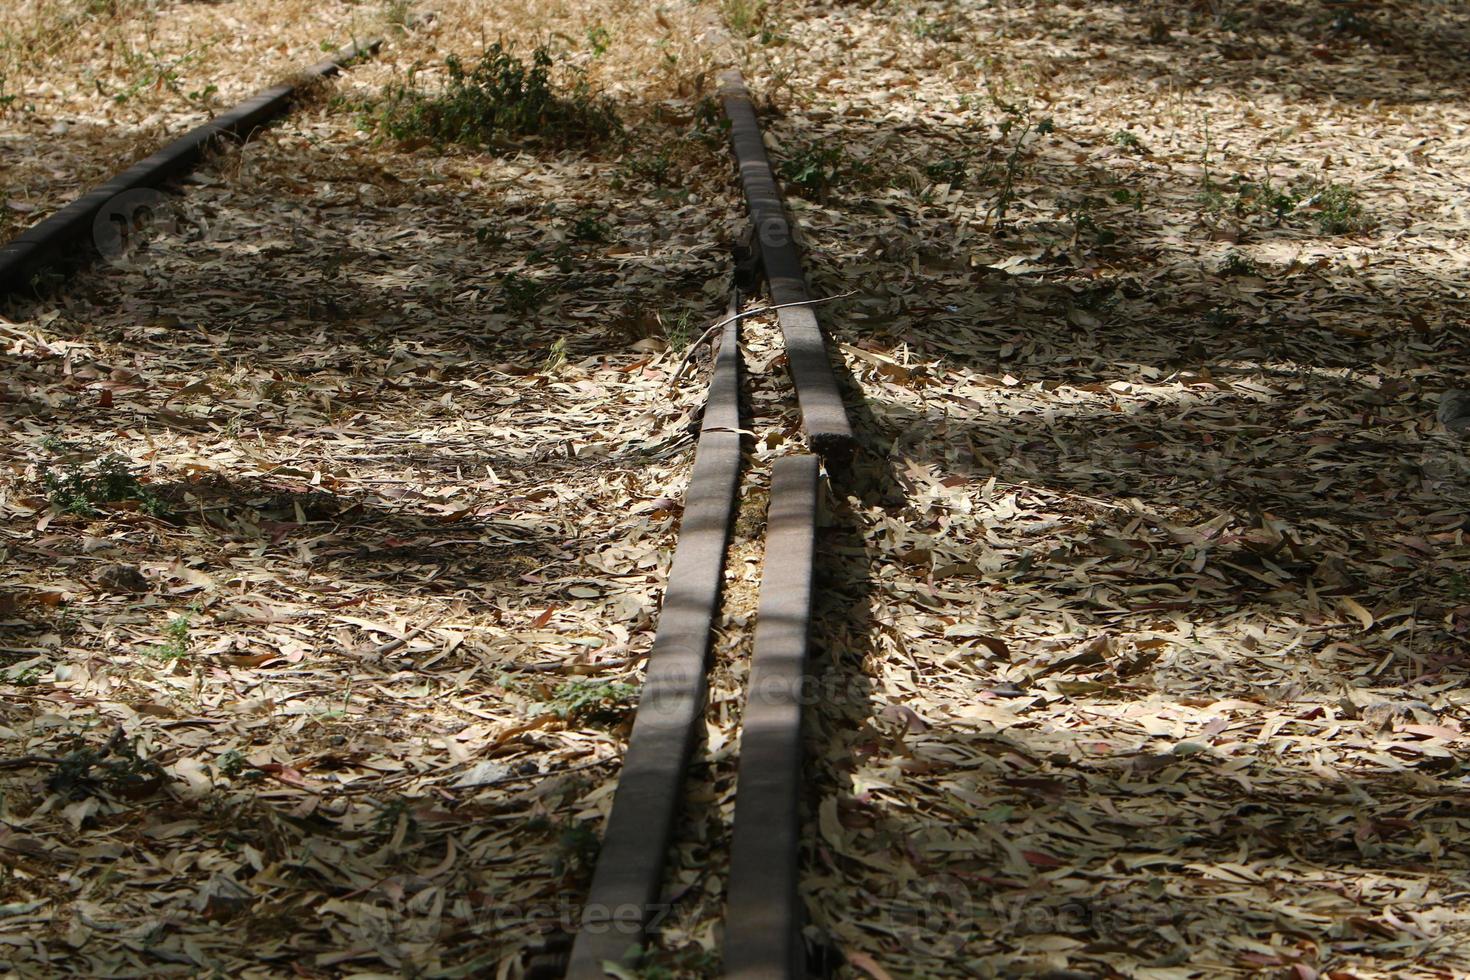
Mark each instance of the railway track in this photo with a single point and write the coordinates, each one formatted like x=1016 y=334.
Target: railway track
x=104 y=213
x=764 y=913
x=625 y=900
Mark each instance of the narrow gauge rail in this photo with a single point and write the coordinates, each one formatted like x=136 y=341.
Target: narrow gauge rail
x=100 y=210
x=764 y=916
x=764 y=913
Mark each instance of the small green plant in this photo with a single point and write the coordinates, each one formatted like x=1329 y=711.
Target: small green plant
x=1085 y=218
x=203 y=97
x=395 y=13
x=1221 y=318
x=1128 y=141
x=814 y=168
x=1351 y=24
x=1015 y=115
x=932 y=30
x=1246 y=198
x=175 y=645
x=232 y=764
x=598 y=39
x=29 y=677
x=1339 y=212
x=388 y=816
x=491 y=236
x=592 y=701
x=656 y=963
x=499 y=98
x=1124 y=196
x=587 y=228
x=1457 y=585
x=149 y=69
x=81 y=489
x=521 y=294
x=1237 y=264
x=743 y=17
x=115 y=768
x=1264 y=198
x=679 y=330
x=710 y=125
x=576 y=846
x=654 y=166
x=947 y=171
x=556 y=356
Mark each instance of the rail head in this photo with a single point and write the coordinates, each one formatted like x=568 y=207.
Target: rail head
x=824 y=416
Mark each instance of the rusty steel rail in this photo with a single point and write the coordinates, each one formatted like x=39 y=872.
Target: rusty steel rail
x=764 y=913
x=822 y=412
x=624 y=899
x=117 y=200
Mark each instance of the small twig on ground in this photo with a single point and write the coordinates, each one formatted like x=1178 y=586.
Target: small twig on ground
x=391 y=646
x=705 y=337
x=47 y=760
x=541 y=774
x=29 y=760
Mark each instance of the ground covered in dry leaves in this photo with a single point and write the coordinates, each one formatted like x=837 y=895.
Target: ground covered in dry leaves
x=336 y=513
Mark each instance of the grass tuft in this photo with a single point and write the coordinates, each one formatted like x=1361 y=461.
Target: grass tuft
x=498 y=99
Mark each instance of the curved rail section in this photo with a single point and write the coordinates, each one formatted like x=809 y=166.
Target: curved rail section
x=42 y=244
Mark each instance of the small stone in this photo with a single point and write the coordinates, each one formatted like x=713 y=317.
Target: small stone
x=123 y=578
x=1454 y=410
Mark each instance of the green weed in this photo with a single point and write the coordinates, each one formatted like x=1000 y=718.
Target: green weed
x=175 y=645
x=116 y=768
x=1339 y=212
x=592 y=701
x=1128 y=141
x=815 y=167
x=932 y=30
x=654 y=166
x=81 y=489
x=232 y=764
x=743 y=17
x=1236 y=264
x=521 y=294
x=395 y=13
x=499 y=98
x=599 y=40
x=710 y=125
x=149 y=69
x=1018 y=121
x=1086 y=220
x=556 y=356
x=387 y=818
x=1221 y=318
x=588 y=228
x=950 y=171
x=576 y=849
x=679 y=330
